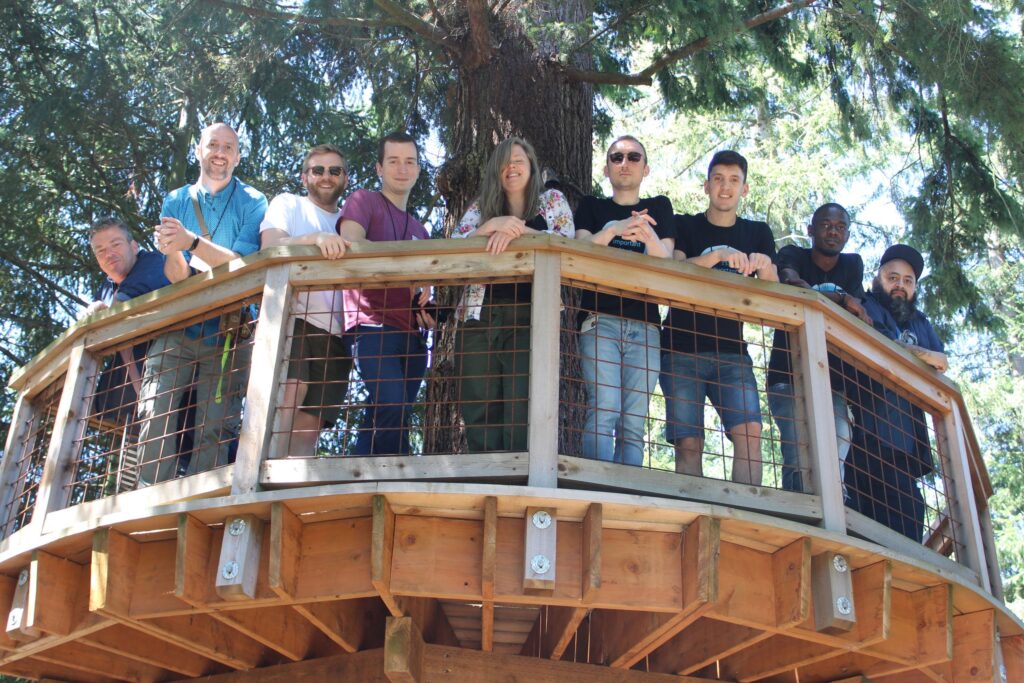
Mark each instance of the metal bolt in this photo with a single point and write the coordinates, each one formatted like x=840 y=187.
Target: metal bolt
x=540 y=564
x=844 y=606
x=840 y=564
x=230 y=570
x=23 y=577
x=14 y=618
x=541 y=519
x=236 y=527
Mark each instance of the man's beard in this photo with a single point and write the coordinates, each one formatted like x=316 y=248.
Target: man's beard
x=902 y=309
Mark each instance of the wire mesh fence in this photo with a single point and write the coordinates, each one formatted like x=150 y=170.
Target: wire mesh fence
x=30 y=454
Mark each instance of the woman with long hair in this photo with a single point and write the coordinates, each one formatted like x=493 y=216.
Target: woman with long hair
x=492 y=358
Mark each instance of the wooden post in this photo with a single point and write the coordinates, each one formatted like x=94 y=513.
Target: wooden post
x=11 y=466
x=403 y=651
x=544 y=375
x=264 y=374
x=951 y=429
x=820 y=419
x=68 y=427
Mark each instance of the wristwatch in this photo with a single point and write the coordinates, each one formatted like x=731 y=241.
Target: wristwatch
x=195 y=243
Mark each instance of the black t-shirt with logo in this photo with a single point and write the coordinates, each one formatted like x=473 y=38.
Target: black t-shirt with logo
x=592 y=215
x=689 y=332
x=847 y=274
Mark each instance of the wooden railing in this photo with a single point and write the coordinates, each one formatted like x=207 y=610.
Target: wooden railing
x=65 y=370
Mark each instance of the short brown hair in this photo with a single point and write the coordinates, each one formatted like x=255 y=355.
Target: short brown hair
x=106 y=223
x=324 y=149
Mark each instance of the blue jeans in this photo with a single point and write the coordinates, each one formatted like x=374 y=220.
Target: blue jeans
x=391 y=363
x=726 y=378
x=621 y=360
x=782 y=405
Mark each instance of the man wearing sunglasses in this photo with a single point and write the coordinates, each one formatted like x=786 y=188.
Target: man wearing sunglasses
x=320 y=361
x=705 y=355
x=619 y=337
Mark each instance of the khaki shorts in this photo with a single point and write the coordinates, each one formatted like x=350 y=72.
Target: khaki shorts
x=322 y=361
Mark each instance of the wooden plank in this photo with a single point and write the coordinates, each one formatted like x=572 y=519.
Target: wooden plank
x=91 y=660
x=540 y=549
x=403 y=651
x=239 y=564
x=962 y=497
x=600 y=474
x=8 y=585
x=382 y=552
x=261 y=394
x=155 y=591
x=702 y=644
x=821 y=428
x=12 y=465
x=561 y=625
x=921 y=628
x=365 y=667
x=192 y=559
x=333 y=562
x=123 y=641
x=285 y=550
x=791 y=571
x=65 y=439
x=280 y=629
x=53 y=586
x=640 y=569
x=49 y=671
x=593 y=526
x=487 y=569
x=431 y=619
x=544 y=334
x=345 y=622
x=19 y=628
x=1013 y=657
x=296 y=472
x=470 y=666
x=113 y=564
x=832 y=593
x=625 y=638
x=974 y=647
x=437 y=557
x=205 y=636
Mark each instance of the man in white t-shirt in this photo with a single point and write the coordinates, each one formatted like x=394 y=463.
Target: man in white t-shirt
x=320 y=359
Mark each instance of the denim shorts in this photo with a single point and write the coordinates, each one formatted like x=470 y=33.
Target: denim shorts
x=726 y=378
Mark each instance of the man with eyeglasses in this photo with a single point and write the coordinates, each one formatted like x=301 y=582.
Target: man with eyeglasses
x=320 y=361
x=892 y=449
x=705 y=356
x=839 y=277
x=202 y=226
x=619 y=338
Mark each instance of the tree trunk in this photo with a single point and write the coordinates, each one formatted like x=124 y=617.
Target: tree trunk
x=508 y=84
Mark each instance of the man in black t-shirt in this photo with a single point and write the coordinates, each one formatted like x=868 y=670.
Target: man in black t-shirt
x=839 y=277
x=705 y=355
x=619 y=337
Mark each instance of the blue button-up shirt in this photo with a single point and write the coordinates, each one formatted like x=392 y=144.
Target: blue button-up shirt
x=233 y=218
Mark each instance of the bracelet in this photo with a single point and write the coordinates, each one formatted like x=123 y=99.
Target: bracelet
x=195 y=243
x=842 y=302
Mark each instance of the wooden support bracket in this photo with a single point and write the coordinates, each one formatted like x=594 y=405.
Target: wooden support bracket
x=382 y=552
x=832 y=590
x=539 y=557
x=403 y=651
x=239 y=563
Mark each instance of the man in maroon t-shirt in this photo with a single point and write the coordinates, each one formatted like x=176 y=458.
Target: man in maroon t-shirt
x=388 y=348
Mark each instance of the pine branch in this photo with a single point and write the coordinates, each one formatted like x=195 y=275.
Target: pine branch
x=412 y=22
x=47 y=282
x=646 y=76
x=351 y=22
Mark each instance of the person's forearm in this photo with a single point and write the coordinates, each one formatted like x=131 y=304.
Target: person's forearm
x=213 y=254
x=176 y=268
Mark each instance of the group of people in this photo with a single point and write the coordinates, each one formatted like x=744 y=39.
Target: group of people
x=625 y=347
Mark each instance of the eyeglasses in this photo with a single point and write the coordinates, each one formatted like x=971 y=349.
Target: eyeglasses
x=333 y=170
x=619 y=157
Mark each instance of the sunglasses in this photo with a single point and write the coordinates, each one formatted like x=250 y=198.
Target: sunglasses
x=619 y=157
x=333 y=170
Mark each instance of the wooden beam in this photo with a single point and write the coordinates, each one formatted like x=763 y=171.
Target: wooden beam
x=443 y=558
x=403 y=651
x=113 y=564
x=382 y=552
x=239 y=564
x=294 y=472
x=624 y=638
x=974 y=648
x=285 y=550
x=66 y=437
x=345 y=622
x=194 y=549
x=333 y=563
x=921 y=627
x=1013 y=657
x=832 y=592
x=764 y=590
x=545 y=313
x=82 y=657
x=365 y=667
x=814 y=375
x=261 y=394
x=18 y=626
x=951 y=433
x=8 y=585
x=281 y=629
x=205 y=636
x=593 y=526
x=55 y=673
x=53 y=589
x=702 y=644
x=126 y=642
x=540 y=549
x=488 y=562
